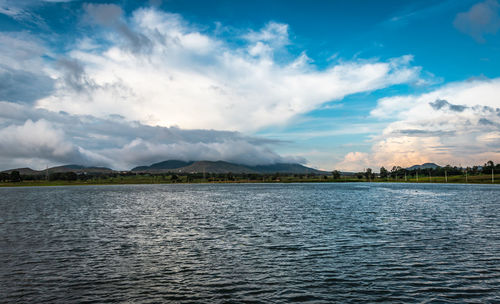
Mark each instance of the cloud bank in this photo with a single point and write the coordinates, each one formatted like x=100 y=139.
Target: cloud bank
x=457 y=124
x=160 y=70
x=148 y=86
x=38 y=137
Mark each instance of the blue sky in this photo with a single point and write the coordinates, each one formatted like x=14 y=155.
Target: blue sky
x=333 y=84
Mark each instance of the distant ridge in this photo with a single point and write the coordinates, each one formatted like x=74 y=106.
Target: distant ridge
x=61 y=169
x=164 y=165
x=424 y=166
x=215 y=167
x=179 y=166
x=224 y=167
x=78 y=169
x=23 y=171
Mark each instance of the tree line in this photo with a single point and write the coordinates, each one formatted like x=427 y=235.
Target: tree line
x=398 y=172
x=15 y=176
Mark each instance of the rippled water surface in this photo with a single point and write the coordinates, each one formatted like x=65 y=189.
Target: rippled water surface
x=262 y=243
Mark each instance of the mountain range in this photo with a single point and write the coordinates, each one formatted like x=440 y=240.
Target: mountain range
x=61 y=169
x=178 y=166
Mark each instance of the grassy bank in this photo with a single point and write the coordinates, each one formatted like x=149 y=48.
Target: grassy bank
x=144 y=179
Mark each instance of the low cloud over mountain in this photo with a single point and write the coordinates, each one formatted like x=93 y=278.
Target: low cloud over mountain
x=34 y=137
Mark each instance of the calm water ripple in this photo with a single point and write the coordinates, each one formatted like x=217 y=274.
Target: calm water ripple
x=256 y=243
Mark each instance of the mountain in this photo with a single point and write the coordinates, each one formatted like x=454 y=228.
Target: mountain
x=79 y=169
x=224 y=167
x=164 y=165
x=62 y=169
x=179 y=166
x=424 y=166
x=24 y=171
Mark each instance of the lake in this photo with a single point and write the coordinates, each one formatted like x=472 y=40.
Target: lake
x=251 y=243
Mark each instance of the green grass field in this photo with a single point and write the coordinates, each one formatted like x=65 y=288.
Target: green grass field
x=144 y=179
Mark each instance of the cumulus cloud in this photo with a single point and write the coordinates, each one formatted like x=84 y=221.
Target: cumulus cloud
x=40 y=140
x=161 y=70
x=355 y=161
x=481 y=19
x=150 y=86
x=35 y=137
x=232 y=150
x=456 y=124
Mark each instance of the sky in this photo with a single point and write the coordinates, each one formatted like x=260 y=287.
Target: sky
x=342 y=85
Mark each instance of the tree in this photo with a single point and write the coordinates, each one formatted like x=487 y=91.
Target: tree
x=174 y=178
x=70 y=176
x=368 y=174
x=336 y=174
x=4 y=177
x=383 y=172
x=15 y=176
x=395 y=170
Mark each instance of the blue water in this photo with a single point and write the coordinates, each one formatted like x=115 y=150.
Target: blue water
x=251 y=243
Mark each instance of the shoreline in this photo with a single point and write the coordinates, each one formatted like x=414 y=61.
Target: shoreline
x=111 y=183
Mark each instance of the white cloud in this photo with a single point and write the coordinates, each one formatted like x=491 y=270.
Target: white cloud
x=40 y=140
x=354 y=161
x=160 y=70
x=273 y=33
x=457 y=124
x=150 y=86
x=490 y=137
x=23 y=51
x=139 y=151
x=35 y=137
x=39 y=137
